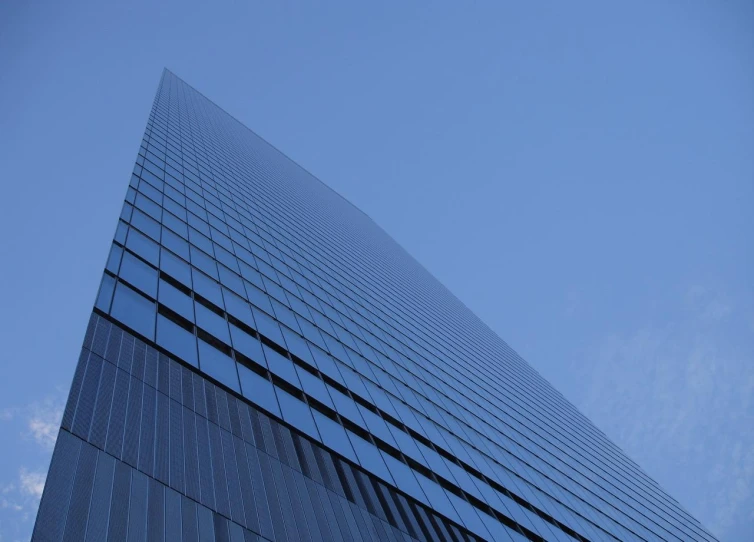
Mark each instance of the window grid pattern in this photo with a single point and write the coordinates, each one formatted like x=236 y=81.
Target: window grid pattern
x=238 y=262
x=175 y=437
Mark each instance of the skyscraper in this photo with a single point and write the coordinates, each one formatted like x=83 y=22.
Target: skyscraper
x=263 y=362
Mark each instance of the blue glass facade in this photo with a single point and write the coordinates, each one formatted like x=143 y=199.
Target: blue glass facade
x=264 y=363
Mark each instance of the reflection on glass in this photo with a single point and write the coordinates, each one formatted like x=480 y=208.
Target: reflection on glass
x=258 y=390
x=139 y=274
x=176 y=340
x=134 y=310
x=218 y=365
x=105 y=294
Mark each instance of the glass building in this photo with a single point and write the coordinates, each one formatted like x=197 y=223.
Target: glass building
x=263 y=362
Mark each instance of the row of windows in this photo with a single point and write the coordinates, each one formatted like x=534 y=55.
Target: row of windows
x=148 y=163
x=208 y=247
x=176 y=164
x=135 y=310
x=163 y=325
x=215 y=297
x=213 y=134
x=178 y=428
x=260 y=230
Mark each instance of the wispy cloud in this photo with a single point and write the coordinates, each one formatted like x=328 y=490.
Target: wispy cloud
x=31 y=431
x=681 y=397
x=44 y=421
x=31 y=483
x=21 y=497
x=41 y=419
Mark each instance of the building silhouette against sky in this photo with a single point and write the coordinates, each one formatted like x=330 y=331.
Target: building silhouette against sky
x=263 y=362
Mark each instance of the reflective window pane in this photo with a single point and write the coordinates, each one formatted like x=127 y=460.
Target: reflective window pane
x=176 y=339
x=218 y=365
x=139 y=274
x=134 y=310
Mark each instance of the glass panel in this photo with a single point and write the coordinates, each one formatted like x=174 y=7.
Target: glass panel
x=296 y=413
x=175 y=243
x=176 y=300
x=298 y=346
x=203 y=262
x=134 y=310
x=247 y=345
x=334 y=436
x=105 y=295
x=146 y=224
x=268 y=327
x=258 y=390
x=437 y=497
x=139 y=274
x=281 y=366
x=314 y=387
x=148 y=206
x=238 y=308
x=143 y=246
x=212 y=322
x=218 y=365
x=177 y=340
x=346 y=407
x=175 y=267
x=175 y=223
x=120 y=232
x=326 y=364
x=404 y=478
x=231 y=280
x=207 y=288
x=258 y=298
x=370 y=457
x=251 y=275
x=113 y=260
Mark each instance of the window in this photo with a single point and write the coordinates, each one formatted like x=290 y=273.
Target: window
x=173 y=222
x=143 y=246
x=297 y=413
x=212 y=322
x=370 y=457
x=105 y=294
x=207 y=288
x=203 y=262
x=268 y=327
x=258 y=390
x=176 y=339
x=199 y=240
x=334 y=436
x=231 y=280
x=238 y=308
x=298 y=347
x=218 y=365
x=134 y=310
x=258 y=298
x=281 y=366
x=247 y=345
x=176 y=300
x=175 y=243
x=176 y=267
x=404 y=477
x=113 y=260
x=139 y=274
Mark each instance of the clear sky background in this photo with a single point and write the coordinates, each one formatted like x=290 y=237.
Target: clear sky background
x=580 y=174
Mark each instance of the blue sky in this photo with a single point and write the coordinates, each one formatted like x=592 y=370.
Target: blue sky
x=580 y=174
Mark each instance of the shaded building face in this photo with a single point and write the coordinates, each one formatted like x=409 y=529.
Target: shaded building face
x=263 y=362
